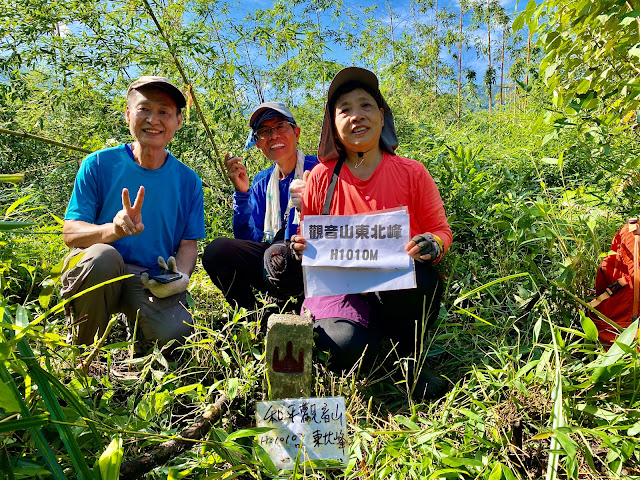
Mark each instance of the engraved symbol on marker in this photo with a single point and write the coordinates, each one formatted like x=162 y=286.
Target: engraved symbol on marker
x=288 y=364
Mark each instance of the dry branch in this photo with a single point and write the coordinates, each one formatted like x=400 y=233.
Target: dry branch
x=165 y=451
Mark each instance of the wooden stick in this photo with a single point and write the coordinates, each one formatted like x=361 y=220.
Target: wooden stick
x=165 y=451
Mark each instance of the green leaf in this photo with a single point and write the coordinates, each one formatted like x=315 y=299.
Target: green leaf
x=487 y=285
x=176 y=473
x=588 y=327
x=633 y=163
x=557 y=420
x=635 y=51
x=461 y=462
x=6 y=226
x=614 y=354
x=548 y=137
x=11 y=177
x=35 y=421
x=5 y=350
x=233 y=388
x=496 y=472
x=629 y=18
x=16 y=204
x=43 y=447
x=54 y=278
x=248 y=432
x=8 y=401
x=45 y=390
x=265 y=459
x=549 y=161
x=110 y=460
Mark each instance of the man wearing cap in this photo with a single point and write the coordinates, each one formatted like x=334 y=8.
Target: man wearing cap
x=264 y=213
x=134 y=207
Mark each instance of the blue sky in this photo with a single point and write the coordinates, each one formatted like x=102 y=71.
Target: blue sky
x=403 y=18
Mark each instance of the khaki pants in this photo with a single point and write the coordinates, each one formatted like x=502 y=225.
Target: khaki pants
x=161 y=319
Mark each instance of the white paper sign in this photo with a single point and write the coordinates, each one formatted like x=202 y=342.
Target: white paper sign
x=362 y=241
x=314 y=428
x=322 y=281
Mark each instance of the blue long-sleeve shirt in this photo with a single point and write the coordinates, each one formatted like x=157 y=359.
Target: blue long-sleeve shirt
x=249 y=208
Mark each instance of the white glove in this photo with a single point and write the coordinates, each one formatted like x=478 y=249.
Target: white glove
x=163 y=290
x=296 y=191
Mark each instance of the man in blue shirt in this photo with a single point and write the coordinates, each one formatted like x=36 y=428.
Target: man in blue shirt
x=263 y=212
x=109 y=237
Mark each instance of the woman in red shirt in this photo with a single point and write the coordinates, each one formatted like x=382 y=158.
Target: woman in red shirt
x=358 y=140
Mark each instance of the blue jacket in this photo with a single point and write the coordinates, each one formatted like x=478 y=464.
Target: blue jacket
x=249 y=208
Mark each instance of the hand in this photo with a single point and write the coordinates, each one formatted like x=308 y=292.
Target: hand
x=236 y=172
x=163 y=290
x=128 y=221
x=423 y=248
x=297 y=245
x=296 y=190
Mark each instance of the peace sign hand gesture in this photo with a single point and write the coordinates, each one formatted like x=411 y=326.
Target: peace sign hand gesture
x=128 y=221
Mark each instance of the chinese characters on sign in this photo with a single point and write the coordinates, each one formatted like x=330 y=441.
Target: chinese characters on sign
x=365 y=241
x=357 y=253
x=315 y=427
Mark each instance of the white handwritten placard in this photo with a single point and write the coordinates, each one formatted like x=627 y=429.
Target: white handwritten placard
x=313 y=428
x=357 y=241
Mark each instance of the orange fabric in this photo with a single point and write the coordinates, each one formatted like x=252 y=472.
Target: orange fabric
x=396 y=182
x=620 y=264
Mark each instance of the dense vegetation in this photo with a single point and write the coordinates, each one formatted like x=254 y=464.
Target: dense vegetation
x=537 y=169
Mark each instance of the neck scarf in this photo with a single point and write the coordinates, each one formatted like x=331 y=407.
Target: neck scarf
x=272 y=218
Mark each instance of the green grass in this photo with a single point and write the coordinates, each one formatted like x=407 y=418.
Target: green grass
x=532 y=393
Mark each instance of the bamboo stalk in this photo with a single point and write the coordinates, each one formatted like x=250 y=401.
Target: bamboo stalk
x=176 y=61
x=44 y=140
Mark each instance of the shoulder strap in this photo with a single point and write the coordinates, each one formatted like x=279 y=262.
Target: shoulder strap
x=634 y=227
x=610 y=291
x=332 y=186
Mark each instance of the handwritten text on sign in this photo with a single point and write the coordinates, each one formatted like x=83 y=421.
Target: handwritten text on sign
x=362 y=241
x=315 y=427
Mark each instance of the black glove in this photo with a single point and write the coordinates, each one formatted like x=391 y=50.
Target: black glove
x=428 y=246
x=282 y=271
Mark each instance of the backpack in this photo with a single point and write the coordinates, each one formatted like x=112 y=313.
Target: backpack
x=618 y=283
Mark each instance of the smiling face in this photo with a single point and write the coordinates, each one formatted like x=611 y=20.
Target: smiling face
x=152 y=116
x=358 y=121
x=280 y=148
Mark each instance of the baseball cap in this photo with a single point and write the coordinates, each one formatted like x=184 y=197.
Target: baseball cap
x=162 y=83
x=266 y=111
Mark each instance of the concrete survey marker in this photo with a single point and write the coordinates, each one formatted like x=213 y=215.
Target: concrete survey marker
x=288 y=355
x=311 y=429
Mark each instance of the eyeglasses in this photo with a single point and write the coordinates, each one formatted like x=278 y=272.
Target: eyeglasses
x=264 y=133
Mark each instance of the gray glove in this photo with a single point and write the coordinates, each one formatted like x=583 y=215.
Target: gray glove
x=163 y=290
x=428 y=246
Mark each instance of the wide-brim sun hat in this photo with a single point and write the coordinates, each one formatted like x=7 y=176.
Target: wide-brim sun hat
x=162 y=83
x=329 y=146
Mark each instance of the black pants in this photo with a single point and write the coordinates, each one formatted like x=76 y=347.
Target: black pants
x=236 y=268
x=402 y=315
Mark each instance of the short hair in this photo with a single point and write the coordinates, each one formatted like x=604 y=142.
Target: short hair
x=350 y=87
x=152 y=87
